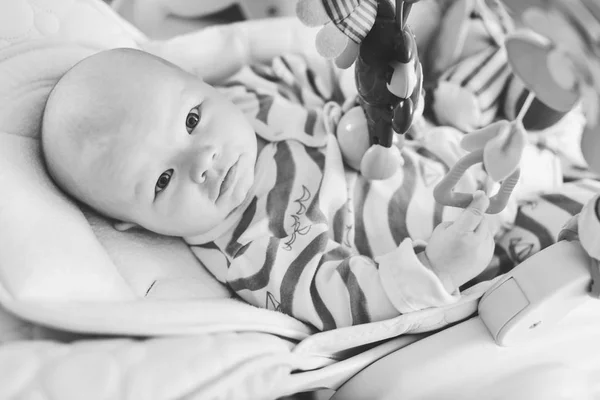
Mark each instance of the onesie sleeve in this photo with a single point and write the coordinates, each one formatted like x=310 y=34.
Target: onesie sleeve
x=409 y=284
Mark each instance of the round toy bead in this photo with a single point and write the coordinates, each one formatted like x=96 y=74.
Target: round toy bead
x=403 y=116
x=353 y=136
x=381 y=162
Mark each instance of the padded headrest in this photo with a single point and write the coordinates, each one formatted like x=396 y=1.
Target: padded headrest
x=56 y=257
x=39 y=41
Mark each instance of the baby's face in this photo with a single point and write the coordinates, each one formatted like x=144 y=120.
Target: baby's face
x=183 y=159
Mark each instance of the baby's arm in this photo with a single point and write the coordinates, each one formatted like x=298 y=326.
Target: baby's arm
x=311 y=277
x=308 y=275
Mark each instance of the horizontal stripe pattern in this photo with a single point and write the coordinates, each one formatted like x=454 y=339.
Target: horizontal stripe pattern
x=354 y=18
x=485 y=75
x=306 y=244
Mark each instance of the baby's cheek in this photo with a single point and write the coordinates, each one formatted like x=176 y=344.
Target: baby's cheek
x=244 y=184
x=177 y=209
x=187 y=207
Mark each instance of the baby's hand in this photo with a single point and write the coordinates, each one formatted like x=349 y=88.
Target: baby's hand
x=459 y=251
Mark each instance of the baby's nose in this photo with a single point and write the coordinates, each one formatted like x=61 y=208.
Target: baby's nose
x=202 y=163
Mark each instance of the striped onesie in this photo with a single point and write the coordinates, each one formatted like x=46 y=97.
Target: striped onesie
x=315 y=239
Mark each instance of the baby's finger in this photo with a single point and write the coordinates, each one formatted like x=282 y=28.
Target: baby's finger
x=483 y=228
x=472 y=216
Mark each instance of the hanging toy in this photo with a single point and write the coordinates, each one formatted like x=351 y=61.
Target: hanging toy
x=388 y=74
x=559 y=66
x=472 y=83
x=499 y=147
x=468 y=65
x=559 y=60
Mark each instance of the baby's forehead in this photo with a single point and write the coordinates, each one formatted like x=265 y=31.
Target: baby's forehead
x=126 y=113
x=122 y=75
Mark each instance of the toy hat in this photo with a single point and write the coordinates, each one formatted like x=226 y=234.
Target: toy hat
x=345 y=25
x=560 y=63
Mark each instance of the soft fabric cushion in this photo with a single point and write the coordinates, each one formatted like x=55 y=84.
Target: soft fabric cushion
x=60 y=264
x=40 y=40
x=50 y=251
x=63 y=270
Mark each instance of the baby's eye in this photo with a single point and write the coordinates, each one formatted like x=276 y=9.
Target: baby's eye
x=192 y=119
x=163 y=181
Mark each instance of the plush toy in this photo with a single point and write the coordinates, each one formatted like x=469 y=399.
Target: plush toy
x=563 y=62
x=557 y=69
x=388 y=74
x=499 y=147
x=476 y=74
x=474 y=81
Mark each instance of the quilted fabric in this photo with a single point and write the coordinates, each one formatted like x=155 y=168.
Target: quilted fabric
x=66 y=20
x=40 y=40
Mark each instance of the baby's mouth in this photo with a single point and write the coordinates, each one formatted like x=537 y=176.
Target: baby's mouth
x=228 y=180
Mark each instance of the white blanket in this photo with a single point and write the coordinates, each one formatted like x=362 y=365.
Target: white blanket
x=70 y=271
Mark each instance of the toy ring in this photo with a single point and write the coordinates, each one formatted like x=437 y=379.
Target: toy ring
x=444 y=191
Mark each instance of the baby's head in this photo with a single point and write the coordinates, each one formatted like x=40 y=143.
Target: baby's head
x=143 y=142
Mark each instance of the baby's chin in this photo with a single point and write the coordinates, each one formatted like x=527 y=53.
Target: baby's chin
x=241 y=192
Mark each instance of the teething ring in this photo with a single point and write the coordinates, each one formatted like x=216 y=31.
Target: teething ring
x=444 y=191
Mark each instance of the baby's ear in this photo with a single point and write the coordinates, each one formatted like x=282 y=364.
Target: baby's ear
x=124 y=226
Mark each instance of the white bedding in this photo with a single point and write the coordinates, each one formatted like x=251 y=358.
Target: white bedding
x=70 y=271
x=463 y=362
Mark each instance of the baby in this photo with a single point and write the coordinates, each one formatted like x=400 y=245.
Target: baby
x=251 y=176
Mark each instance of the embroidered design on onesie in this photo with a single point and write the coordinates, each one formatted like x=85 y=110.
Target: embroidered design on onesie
x=271 y=302
x=297 y=227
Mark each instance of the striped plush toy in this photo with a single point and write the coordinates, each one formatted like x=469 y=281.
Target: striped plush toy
x=474 y=81
x=345 y=23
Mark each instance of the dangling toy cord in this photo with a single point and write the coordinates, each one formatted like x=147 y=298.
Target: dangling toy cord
x=519 y=120
x=525 y=106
